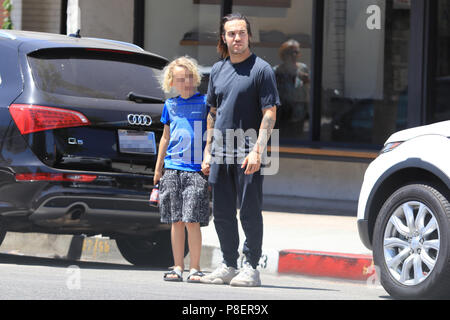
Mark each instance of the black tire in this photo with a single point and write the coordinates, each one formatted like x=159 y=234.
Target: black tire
x=155 y=251
x=2 y=236
x=425 y=282
x=2 y=232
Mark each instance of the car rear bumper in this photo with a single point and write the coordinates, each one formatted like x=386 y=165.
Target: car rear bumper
x=99 y=205
x=73 y=208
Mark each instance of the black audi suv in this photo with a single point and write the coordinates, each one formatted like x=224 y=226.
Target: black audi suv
x=79 y=132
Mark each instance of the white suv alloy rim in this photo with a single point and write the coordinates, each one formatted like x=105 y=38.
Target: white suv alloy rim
x=411 y=243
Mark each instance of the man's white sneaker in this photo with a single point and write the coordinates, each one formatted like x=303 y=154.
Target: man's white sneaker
x=222 y=275
x=247 y=277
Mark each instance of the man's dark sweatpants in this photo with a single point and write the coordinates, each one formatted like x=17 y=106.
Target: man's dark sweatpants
x=233 y=186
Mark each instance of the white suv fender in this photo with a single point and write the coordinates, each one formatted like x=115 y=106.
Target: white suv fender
x=427 y=148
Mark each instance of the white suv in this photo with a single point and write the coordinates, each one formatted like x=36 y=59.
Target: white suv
x=404 y=212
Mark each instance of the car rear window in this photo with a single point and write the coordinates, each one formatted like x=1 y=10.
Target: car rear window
x=96 y=73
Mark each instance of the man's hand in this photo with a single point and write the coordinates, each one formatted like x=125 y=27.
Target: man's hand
x=210 y=123
x=252 y=162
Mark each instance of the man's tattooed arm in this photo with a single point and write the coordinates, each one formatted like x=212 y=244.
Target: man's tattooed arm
x=210 y=122
x=266 y=128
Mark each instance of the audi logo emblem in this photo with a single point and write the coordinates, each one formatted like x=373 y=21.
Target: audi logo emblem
x=139 y=120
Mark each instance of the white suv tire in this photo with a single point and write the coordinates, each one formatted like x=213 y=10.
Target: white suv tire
x=411 y=243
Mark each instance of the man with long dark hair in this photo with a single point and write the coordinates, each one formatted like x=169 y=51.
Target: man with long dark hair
x=243 y=97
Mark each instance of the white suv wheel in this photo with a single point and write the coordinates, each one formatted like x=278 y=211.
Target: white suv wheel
x=411 y=243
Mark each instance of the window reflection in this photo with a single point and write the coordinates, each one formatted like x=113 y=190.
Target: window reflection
x=282 y=35
x=365 y=72
x=293 y=87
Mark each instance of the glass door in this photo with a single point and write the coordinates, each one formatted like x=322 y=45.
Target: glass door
x=440 y=106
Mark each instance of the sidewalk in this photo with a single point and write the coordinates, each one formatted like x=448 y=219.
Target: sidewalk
x=306 y=244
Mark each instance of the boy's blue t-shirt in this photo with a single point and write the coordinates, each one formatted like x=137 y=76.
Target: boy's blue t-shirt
x=187 y=121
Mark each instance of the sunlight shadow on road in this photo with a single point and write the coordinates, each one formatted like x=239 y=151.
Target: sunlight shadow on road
x=61 y=262
x=297 y=288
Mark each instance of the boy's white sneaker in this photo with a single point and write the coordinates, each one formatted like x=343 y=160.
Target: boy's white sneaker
x=222 y=275
x=247 y=277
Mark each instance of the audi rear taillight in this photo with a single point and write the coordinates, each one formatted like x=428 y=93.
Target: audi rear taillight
x=31 y=118
x=44 y=176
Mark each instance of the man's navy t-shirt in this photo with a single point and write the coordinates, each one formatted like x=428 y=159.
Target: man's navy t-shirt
x=240 y=92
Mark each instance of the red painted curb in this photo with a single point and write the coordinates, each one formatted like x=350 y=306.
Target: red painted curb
x=326 y=264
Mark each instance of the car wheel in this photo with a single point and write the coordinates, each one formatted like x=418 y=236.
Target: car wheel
x=412 y=243
x=155 y=251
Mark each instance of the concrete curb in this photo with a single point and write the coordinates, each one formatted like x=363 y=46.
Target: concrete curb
x=326 y=264
x=101 y=249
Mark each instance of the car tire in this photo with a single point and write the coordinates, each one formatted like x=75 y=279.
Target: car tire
x=413 y=258
x=2 y=235
x=155 y=251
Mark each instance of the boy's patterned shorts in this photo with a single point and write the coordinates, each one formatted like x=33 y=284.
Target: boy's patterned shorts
x=184 y=196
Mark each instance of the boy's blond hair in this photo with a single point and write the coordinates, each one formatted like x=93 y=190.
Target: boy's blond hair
x=187 y=62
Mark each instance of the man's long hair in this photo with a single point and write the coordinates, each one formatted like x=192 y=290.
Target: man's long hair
x=222 y=47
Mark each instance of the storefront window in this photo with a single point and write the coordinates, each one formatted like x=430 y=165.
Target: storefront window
x=440 y=109
x=176 y=28
x=282 y=36
x=365 y=70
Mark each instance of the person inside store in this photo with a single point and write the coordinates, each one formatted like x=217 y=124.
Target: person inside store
x=293 y=80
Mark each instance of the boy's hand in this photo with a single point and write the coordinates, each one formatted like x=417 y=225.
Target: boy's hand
x=157 y=177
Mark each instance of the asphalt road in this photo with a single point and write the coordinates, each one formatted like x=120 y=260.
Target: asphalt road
x=32 y=278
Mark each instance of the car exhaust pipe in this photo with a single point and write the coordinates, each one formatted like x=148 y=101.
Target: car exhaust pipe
x=75 y=212
x=59 y=216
